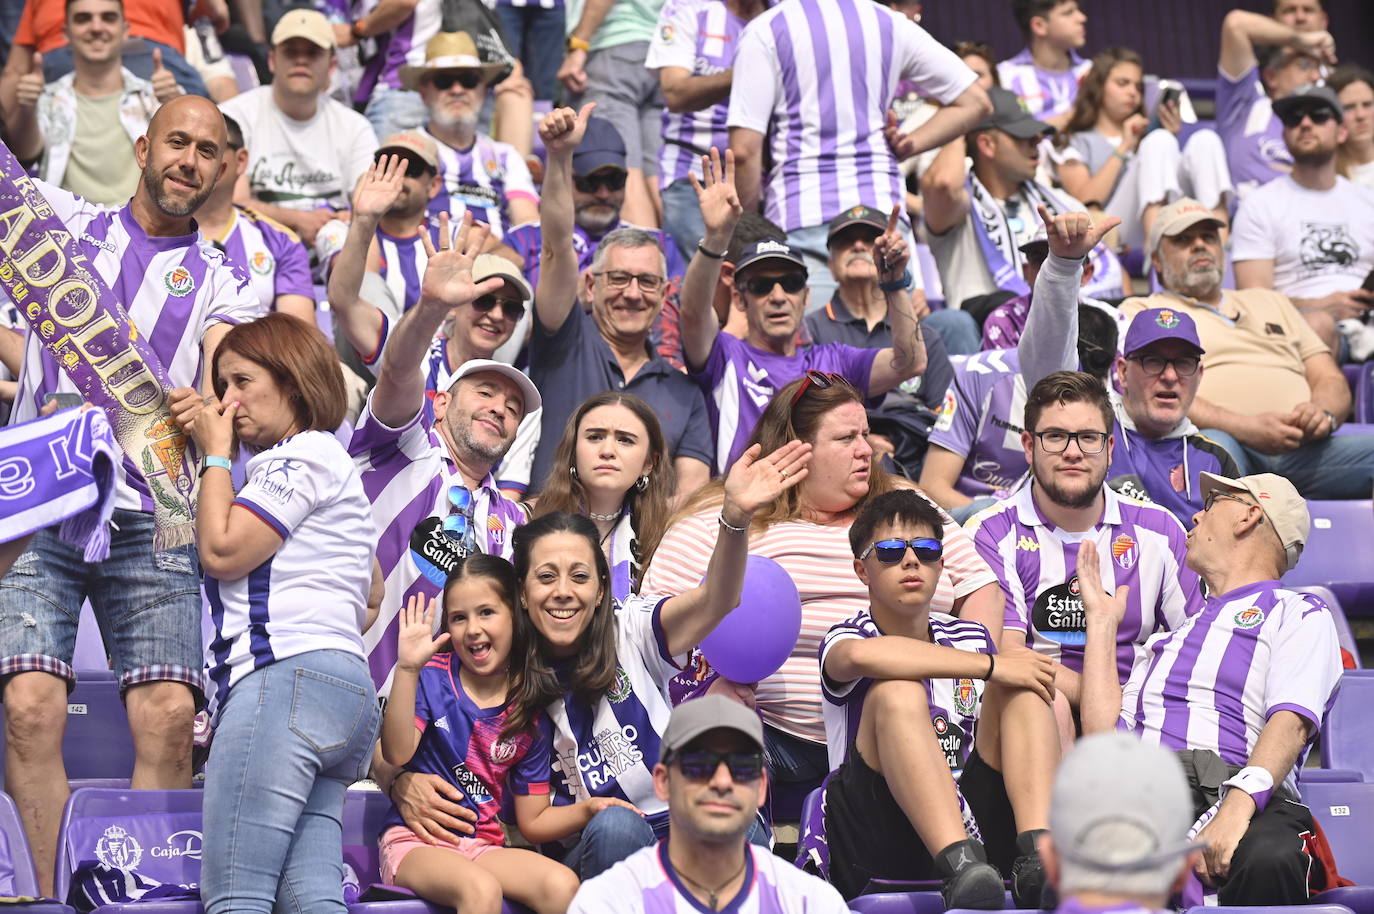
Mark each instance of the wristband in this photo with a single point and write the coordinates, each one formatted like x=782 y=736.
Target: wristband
x=898 y=284
x=221 y=462
x=1254 y=780
x=577 y=44
x=731 y=527
x=709 y=253
x=992 y=665
x=1118 y=154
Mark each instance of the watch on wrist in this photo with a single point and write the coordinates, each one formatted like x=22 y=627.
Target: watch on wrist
x=577 y=44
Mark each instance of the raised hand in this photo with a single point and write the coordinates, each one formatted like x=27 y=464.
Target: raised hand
x=415 y=641
x=185 y=403
x=1318 y=44
x=30 y=85
x=1073 y=235
x=720 y=206
x=164 y=83
x=448 y=275
x=212 y=429
x=890 y=251
x=379 y=186
x=562 y=129
x=1096 y=601
x=755 y=482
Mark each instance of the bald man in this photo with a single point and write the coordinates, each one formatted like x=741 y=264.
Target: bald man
x=178 y=289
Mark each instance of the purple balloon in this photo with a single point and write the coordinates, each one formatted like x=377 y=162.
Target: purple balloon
x=757 y=636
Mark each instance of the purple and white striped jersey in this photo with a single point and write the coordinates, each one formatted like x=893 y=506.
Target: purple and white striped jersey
x=816 y=77
x=1140 y=545
x=1044 y=93
x=1250 y=131
x=981 y=421
x=739 y=380
x=541 y=4
x=403 y=266
x=269 y=254
x=1214 y=681
x=407 y=473
x=174 y=288
x=402 y=46
x=953 y=702
x=480 y=180
x=699 y=36
x=646 y=883
x=312 y=593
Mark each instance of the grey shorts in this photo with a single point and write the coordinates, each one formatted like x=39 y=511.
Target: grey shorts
x=628 y=95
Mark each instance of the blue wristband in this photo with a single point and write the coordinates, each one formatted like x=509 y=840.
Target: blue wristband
x=897 y=285
x=221 y=462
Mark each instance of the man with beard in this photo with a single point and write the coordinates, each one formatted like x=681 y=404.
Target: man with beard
x=184 y=295
x=1308 y=234
x=1031 y=539
x=1271 y=393
x=435 y=499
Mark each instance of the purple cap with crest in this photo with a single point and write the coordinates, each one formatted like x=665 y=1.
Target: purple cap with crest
x=1157 y=324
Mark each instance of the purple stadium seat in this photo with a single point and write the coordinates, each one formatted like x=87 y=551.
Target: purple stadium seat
x=1328 y=776
x=96 y=743
x=17 y=875
x=1346 y=814
x=1346 y=741
x=244 y=72
x=1337 y=556
x=1347 y=638
x=898 y=903
x=1364 y=394
x=1273 y=909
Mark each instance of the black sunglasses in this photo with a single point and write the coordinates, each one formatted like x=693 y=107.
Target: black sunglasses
x=415 y=168
x=791 y=283
x=1318 y=116
x=611 y=180
x=819 y=380
x=468 y=79
x=513 y=308
x=700 y=765
x=892 y=551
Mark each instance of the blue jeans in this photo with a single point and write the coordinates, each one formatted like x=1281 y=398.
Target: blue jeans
x=392 y=110
x=682 y=217
x=958 y=330
x=1338 y=467
x=290 y=739
x=139 y=61
x=534 y=35
x=615 y=833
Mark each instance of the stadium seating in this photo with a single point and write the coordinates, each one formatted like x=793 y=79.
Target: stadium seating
x=1272 y=909
x=1346 y=814
x=1337 y=556
x=1346 y=739
x=1328 y=776
x=96 y=743
x=18 y=878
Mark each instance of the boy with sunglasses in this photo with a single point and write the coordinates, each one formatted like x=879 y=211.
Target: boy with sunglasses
x=711 y=774
x=918 y=791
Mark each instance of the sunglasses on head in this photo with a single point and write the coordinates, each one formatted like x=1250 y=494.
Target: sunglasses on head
x=819 y=380
x=459 y=521
x=791 y=283
x=890 y=552
x=700 y=765
x=415 y=168
x=611 y=180
x=468 y=79
x=1317 y=116
x=513 y=308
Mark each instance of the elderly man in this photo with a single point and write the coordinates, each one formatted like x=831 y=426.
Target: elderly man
x=1271 y=392
x=1238 y=690
x=1119 y=820
x=575 y=353
x=711 y=774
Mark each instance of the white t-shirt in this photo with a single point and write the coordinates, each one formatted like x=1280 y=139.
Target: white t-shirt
x=1363 y=175
x=302 y=164
x=1320 y=241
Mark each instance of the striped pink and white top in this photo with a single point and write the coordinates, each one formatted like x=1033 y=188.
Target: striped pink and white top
x=822 y=566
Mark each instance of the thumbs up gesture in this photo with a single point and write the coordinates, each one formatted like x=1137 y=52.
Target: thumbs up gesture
x=30 y=85
x=164 y=83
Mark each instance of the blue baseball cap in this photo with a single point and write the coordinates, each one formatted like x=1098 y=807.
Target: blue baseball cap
x=601 y=147
x=1157 y=324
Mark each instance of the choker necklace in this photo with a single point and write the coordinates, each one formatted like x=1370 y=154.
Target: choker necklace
x=605 y=517
x=711 y=899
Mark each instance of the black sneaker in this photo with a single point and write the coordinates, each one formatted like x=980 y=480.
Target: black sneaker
x=1028 y=886
x=969 y=880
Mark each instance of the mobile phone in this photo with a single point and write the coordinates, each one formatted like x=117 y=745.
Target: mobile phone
x=63 y=401
x=1170 y=94
x=1368 y=284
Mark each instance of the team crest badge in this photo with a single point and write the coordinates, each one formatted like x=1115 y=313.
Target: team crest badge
x=621 y=690
x=118 y=850
x=1249 y=617
x=502 y=751
x=1166 y=319
x=496 y=529
x=1074 y=588
x=965 y=696
x=262 y=263
x=666 y=33
x=179 y=281
x=1124 y=551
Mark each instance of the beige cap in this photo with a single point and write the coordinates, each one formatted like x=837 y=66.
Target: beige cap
x=412 y=141
x=485 y=266
x=1182 y=214
x=449 y=51
x=1283 y=507
x=308 y=24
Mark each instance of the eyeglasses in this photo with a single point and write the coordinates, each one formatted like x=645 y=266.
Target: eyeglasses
x=791 y=283
x=890 y=552
x=1185 y=365
x=700 y=765
x=1317 y=116
x=468 y=79
x=513 y=308
x=1212 y=496
x=821 y=380
x=458 y=525
x=1056 y=441
x=415 y=168
x=611 y=180
x=620 y=279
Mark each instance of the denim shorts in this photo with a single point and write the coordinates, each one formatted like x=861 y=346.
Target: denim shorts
x=147 y=605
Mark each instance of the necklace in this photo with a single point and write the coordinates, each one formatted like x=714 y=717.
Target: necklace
x=711 y=899
x=605 y=518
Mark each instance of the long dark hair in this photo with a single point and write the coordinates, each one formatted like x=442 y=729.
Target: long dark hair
x=1089 y=102
x=649 y=509
x=594 y=664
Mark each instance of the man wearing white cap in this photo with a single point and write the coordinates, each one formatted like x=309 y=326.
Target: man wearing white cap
x=1119 y=820
x=1239 y=689
x=1271 y=392
x=305 y=150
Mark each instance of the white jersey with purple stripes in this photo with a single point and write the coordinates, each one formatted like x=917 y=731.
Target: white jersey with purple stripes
x=816 y=77
x=699 y=36
x=981 y=421
x=646 y=883
x=1044 y=93
x=953 y=702
x=609 y=748
x=1213 y=682
x=173 y=289
x=403 y=45
x=480 y=180
x=269 y=253
x=1250 y=131
x=403 y=266
x=1138 y=544
x=311 y=595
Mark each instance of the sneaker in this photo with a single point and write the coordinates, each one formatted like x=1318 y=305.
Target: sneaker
x=969 y=881
x=1028 y=886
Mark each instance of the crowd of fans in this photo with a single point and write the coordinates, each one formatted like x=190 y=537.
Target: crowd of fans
x=503 y=340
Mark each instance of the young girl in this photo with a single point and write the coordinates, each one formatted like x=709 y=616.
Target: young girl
x=449 y=714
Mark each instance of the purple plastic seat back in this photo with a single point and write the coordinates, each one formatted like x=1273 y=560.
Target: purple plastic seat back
x=1346 y=813
x=1346 y=741
x=96 y=743
x=1337 y=554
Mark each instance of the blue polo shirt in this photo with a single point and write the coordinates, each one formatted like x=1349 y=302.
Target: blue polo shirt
x=575 y=362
